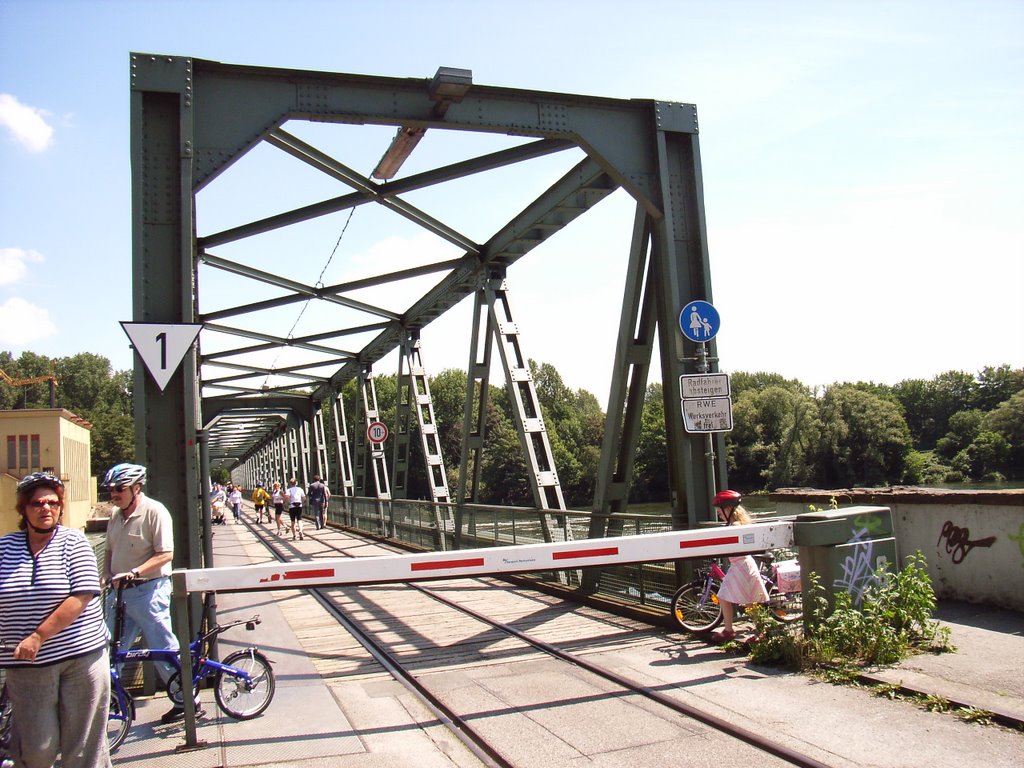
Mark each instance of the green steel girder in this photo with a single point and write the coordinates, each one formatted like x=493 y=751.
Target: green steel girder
x=192 y=119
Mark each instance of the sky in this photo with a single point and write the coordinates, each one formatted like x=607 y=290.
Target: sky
x=862 y=166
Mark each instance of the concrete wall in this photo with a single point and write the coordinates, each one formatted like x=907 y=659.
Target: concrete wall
x=973 y=540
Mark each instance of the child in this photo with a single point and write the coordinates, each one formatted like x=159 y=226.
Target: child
x=742 y=584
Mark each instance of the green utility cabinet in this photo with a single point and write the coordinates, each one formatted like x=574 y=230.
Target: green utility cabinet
x=845 y=547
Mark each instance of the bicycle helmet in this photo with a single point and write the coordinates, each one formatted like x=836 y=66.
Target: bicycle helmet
x=124 y=475
x=726 y=499
x=30 y=482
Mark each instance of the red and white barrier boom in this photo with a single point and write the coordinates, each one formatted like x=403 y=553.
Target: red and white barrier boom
x=650 y=547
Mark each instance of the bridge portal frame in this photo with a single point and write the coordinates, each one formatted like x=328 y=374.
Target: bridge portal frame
x=191 y=119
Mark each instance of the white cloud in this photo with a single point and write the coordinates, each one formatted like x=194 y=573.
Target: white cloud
x=14 y=264
x=22 y=323
x=26 y=124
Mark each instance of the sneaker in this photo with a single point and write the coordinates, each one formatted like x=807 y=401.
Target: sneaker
x=300 y=537
x=175 y=714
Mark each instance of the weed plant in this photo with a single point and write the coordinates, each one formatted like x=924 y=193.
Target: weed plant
x=893 y=620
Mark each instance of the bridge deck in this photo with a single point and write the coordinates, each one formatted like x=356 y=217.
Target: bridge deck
x=334 y=707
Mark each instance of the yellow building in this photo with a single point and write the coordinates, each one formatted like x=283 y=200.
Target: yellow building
x=51 y=440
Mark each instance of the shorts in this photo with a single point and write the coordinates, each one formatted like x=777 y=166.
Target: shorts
x=279 y=509
x=295 y=513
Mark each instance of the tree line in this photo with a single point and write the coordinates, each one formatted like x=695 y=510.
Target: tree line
x=955 y=427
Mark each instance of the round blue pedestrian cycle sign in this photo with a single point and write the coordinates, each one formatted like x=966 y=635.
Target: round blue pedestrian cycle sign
x=699 y=321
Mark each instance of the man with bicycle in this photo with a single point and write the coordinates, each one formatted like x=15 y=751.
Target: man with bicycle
x=139 y=551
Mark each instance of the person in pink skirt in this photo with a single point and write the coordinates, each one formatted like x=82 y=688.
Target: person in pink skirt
x=742 y=584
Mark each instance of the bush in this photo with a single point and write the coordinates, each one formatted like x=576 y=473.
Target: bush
x=893 y=621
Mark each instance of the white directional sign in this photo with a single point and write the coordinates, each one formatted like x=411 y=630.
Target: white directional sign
x=162 y=346
x=377 y=432
x=711 y=414
x=701 y=385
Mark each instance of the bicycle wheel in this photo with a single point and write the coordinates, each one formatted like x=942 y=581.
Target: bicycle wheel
x=243 y=699
x=785 y=606
x=693 y=612
x=174 y=690
x=118 y=722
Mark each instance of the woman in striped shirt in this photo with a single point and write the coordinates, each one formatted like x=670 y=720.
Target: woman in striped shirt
x=58 y=676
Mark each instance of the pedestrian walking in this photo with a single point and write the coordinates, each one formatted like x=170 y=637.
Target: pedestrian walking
x=318 y=494
x=296 y=496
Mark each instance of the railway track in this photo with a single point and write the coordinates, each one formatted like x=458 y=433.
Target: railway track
x=500 y=666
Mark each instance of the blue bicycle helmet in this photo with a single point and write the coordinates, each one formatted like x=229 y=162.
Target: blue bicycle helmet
x=124 y=476
x=28 y=482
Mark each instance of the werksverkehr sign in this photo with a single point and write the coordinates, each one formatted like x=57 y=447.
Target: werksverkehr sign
x=711 y=414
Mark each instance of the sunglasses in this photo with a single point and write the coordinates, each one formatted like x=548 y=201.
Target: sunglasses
x=52 y=503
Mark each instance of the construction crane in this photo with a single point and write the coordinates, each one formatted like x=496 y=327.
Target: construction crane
x=34 y=380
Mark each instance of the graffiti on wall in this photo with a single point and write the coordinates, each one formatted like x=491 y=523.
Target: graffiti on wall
x=858 y=569
x=958 y=541
x=1019 y=538
x=873 y=524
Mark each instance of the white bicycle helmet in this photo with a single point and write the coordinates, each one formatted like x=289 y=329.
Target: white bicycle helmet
x=124 y=476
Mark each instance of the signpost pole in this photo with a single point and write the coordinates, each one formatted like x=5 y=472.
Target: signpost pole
x=709 y=443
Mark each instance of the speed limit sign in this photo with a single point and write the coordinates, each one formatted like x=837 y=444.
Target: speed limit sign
x=377 y=432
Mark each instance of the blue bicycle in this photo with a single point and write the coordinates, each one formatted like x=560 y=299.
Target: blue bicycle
x=243 y=682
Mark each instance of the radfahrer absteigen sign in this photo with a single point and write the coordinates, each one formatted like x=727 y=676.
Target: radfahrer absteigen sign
x=705 y=402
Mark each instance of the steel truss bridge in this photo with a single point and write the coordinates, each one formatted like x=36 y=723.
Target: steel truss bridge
x=267 y=401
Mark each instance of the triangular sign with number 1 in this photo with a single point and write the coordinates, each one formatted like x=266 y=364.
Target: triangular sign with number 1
x=162 y=346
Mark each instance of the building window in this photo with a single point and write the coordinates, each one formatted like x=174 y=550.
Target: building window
x=34 y=442
x=12 y=453
x=22 y=451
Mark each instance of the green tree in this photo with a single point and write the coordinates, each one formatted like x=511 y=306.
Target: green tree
x=1007 y=420
x=916 y=396
x=864 y=438
x=997 y=384
x=504 y=475
x=953 y=391
x=964 y=426
x=650 y=474
x=984 y=457
x=774 y=436
x=448 y=391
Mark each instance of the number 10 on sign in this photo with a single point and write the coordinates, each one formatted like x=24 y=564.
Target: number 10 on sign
x=377 y=432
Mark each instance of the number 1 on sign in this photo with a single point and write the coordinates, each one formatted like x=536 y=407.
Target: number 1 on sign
x=161 y=338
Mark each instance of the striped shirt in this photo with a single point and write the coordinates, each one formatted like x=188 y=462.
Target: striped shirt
x=31 y=588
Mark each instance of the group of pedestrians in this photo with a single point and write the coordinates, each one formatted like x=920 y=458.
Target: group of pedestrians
x=225 y=497
x=294 y=498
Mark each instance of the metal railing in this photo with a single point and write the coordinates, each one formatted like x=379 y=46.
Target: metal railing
x=420 y=524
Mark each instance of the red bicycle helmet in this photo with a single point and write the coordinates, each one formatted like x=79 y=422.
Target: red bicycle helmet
x=726 y=498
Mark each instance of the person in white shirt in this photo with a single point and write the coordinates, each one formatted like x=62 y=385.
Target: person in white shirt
x=295 y=498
